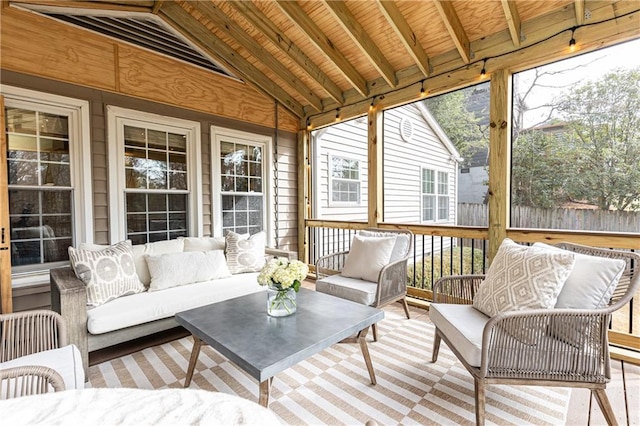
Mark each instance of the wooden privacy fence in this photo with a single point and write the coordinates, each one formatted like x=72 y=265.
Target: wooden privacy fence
x=557 y=218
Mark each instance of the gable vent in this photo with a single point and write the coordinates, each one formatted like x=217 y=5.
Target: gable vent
x=406 y=129
x=143 y=31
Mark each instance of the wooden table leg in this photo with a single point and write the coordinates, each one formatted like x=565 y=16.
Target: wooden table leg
x=265 y=388
x=197 y=344
x=365 y=353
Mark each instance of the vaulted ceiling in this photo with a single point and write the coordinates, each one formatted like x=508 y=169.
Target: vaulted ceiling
x=321 y=55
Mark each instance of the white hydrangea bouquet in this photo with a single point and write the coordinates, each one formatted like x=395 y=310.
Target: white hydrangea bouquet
x=283 y=278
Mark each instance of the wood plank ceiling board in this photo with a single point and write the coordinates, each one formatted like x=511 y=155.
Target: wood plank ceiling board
x=199 y=34
x=480 y=18
x=360 y=36
x=513 y=20
x=406 y=35
x=308 y=26
x=425 y=20
x=255 y=49
x=254 y=17
x=532 y=9
x=579 y=8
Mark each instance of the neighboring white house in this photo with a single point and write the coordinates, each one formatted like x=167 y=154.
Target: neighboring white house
x=420 y=169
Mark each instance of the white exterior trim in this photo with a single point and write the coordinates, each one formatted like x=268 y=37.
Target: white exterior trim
x=79 y=153
x=237 y=136
x=117 y=117
x=455 y=155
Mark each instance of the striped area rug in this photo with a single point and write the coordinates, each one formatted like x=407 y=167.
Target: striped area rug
x=333 y=386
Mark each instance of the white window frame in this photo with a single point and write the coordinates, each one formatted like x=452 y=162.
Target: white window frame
x=80 y=162
x=117 y=118
x=218 y=134
x=331 y=179
x=436 y=194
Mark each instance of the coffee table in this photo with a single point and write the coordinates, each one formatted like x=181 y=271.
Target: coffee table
x=242 y=331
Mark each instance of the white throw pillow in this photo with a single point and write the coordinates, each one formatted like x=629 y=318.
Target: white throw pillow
x=108 y=273
x=245 y=253
x=368 y=255
x=591 y=282
x=203 y=243
x=401 y=247
x=176 y=269
x=521 y=278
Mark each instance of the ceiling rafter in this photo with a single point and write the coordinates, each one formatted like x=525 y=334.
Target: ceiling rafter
x=579 y=7
x=119 y=7
x=254 y=16
x=408 y=38
x=455 y=28
x=185 y=23
x=513 y=20
x=317 y=37
x=156 y=6
x=223 y=23
x=360 y=37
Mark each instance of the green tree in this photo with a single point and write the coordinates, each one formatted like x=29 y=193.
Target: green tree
x=604 y=117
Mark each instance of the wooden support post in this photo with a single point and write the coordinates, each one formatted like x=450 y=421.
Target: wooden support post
x=6 y=296
x=499 y=158
x=304 y=193
x=375 y=166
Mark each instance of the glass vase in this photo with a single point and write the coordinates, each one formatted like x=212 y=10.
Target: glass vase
x=281 y=303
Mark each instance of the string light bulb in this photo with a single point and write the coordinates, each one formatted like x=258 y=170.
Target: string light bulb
x=337 y=114
x=483 y=72
x=423 y=92
x=572 y=42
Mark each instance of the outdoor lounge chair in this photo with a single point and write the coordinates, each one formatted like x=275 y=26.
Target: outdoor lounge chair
x=565 y=346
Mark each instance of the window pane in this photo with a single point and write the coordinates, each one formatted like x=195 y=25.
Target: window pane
x=54 y=150
x=177 y=202
x=55 y=174
x=177 y=180
x=21 y=121
x=136 y=202
x=53 y=125
x=157 y=202
x=156 y=140
x=135 y=136
x=22 y=147
x=177 y=143
x=575 y=144
x=23 y=172
x=166 y=212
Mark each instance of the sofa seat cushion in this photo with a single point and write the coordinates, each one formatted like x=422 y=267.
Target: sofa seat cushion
x=66 y=361
x=151 y=306
x=463 y=325
x=356 y=290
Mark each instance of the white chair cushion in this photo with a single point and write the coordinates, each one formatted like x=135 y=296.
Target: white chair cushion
x=368 y=255
x=591 y=283
x=463 y=325
x=150 y=306
x=356 y=290
x=401 y=247
x=175 y=269
x=66 y=361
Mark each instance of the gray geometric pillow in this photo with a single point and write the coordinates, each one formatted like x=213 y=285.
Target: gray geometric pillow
x=108 y=274
x=245 y=253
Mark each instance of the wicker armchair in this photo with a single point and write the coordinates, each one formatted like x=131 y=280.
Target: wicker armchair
x=572 y=349
x=391 y=285
x=28 y=333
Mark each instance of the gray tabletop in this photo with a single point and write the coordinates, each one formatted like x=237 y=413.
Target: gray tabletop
x=241 y=330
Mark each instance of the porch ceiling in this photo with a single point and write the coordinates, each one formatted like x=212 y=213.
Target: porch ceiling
x=317 y=56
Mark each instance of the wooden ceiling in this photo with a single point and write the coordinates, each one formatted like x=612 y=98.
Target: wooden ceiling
x=320 y=55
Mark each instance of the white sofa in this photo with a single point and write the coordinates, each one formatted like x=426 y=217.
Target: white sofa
x=137 y=315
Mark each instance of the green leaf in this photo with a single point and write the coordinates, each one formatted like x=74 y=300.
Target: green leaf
x=296 y=285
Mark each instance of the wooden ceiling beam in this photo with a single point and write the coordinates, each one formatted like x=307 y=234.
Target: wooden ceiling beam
x=195 y=31
x=233 y=30
x=579 y=7
x=249 y=11
x=455 y=28
x=408 y=38
x=354 y=29
x=513 y=20
x=322 y=42
x=156 y=6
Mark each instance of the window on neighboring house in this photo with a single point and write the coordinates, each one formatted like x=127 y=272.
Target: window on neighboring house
x=345 y=180
x=242 y=172
x=435 y=195
x=158 y=177
x=48 y=177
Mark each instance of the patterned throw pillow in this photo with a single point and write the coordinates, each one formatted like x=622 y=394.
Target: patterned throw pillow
x=520 y=278
x=108 y=274
x=244 y=253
